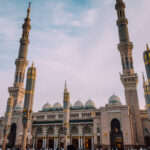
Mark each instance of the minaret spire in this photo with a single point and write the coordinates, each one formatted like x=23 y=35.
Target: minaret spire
x=29 y=10
x=21 y=62
x=146 y=57
x=66 y=86
x=147 y=47
x=146 y=95
x=128 y=77
x=66 y=111
x=28 y=103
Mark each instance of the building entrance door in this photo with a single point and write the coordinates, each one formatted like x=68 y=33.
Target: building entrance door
x=75 y=143
x=39 y=144
x=51 y=143
x=88 y=144
x=116 y=136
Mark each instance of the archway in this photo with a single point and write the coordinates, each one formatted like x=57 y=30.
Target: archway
x=50 y=137
x=12 y=136
x=39 y=133
x=116 y=136
x=74 y=137
x=87 y=138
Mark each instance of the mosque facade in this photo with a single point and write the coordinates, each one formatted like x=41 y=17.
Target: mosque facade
x=82 y=125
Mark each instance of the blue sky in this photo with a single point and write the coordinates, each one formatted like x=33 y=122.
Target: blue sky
x=73 y=40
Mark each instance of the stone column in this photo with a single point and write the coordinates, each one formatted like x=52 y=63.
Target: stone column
x=54 y=143
x=92 y=142
x=79 y=142
x=33 y=146
x=81 y=146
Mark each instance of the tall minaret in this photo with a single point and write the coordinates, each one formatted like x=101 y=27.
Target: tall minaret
x=66 y=116
x=28 y=103
x=129 y=78
x=21 y=62
x=146 y=95
x=8 y=115
x=146 y=56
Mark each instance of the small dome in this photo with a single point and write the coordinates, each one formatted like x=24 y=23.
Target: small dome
x=78 y=105
x=19 y=107
x=57 y=106
x=90 y=104
x=114 y=100
x=46 y=107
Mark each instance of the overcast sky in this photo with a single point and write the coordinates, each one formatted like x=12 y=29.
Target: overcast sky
x=73 y=40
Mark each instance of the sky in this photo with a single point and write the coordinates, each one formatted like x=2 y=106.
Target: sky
x=73 y=40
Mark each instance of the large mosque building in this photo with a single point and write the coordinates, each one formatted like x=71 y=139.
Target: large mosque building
x=83 y=125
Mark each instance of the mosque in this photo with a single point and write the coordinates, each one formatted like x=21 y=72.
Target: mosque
x=83 y=125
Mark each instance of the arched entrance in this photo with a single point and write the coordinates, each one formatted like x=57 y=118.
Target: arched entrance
x=87 y=138
x=39 y=133
x=50 y=139
x=12 y=136
x=74 y=137
x=116 y=136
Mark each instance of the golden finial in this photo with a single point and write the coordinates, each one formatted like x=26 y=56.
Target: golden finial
x=65 y=85
x=143 y=77
x=32 y=64
x=29 y=9
x=147 y=47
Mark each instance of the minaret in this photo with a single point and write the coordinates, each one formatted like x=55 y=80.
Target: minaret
x=8 y=115
x=66 y=116
x=146 y=95
x=21 y=62
x=129 y=78
x=28 y=103
x=146 y=56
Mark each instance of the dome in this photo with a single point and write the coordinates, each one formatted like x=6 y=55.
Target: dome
x=57 y=106
x=78 y=105
x=46 y=107
x=89 y=104
x=114 y=100
x=19 y=107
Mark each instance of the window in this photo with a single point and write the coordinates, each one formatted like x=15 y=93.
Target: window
x=50 y=116
x=40 y=117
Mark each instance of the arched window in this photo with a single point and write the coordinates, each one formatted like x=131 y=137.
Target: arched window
x=39 y=131
x=120 y=13
x=50 y=131
x=16 y=77
x=60 y=130
x=74 y=130
x=20 y=78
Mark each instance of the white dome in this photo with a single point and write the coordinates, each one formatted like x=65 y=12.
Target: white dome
x=90 y=104
x=114 y=100
x=57 y=106
x=78 y=105
x=46 y=107
x=19 y=107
